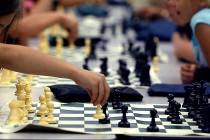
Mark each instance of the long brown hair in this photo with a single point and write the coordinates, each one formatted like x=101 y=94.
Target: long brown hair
x=8 y=7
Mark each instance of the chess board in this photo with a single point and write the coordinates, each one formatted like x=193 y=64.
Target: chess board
x=77 y=57
x=78 y=117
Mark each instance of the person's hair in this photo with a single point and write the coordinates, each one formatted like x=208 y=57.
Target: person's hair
x=8 y=7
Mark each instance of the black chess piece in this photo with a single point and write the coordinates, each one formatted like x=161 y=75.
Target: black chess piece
x=153 y=127
x=140 y=60
x=169 y=108
x=206 y=116
x=176 y=118
x=104 y=66
x=194 y=101
x=124 y=121
x=106 y=120
x=151 y=46
x=85 y=65
x=122 y=63
x=173 y=111
x=188 y=90
x=145 y=76
x=92 y=55
x=125 y=72
x=117 y=104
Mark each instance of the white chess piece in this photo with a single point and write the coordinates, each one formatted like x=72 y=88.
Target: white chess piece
x=13 y=76
x=43 y=119
x=156 y=64
x=29 y=79
x=87 y=46
x=5 y=77
x=28 y=99
x=48 y=96
x=99 y=113
x=50 y=118
x=16 y=114
x=42 y=101
x=21 y=95
x=59 y=47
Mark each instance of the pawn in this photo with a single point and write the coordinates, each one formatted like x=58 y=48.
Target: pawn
x=99 y=114
x=43 y=120
x=42 y=103
x=153 y=127
x=176 y=118
x=124 y=121
x=50 y=118
x=106 y=120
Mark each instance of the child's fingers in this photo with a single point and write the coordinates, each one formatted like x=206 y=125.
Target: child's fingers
x=100 y=94
x=107 y=92
x=94 y=95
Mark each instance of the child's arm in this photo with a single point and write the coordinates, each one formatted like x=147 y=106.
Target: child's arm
x=203 y=34
x=32 y=25
x=183 y=48
x=79 y=2
x=26 y=60
x=46 y=5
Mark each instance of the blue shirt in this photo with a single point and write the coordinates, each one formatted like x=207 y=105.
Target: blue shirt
x=202 y=16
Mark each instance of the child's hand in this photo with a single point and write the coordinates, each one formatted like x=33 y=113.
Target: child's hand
x=96 y=86
x=71 y=24
x=187 y=73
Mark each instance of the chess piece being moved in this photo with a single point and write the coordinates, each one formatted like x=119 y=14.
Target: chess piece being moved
x=106 y=120
x=99 y=114
x=153 y=127
x=124 y=121
x=16 y=114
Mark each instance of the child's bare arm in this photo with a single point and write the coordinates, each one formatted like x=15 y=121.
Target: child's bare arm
x=183 y=48
x=32 y=25
x=203 y=34
x=27 y=60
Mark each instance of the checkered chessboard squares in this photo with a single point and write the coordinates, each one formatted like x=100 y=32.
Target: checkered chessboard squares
x=78 y=117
